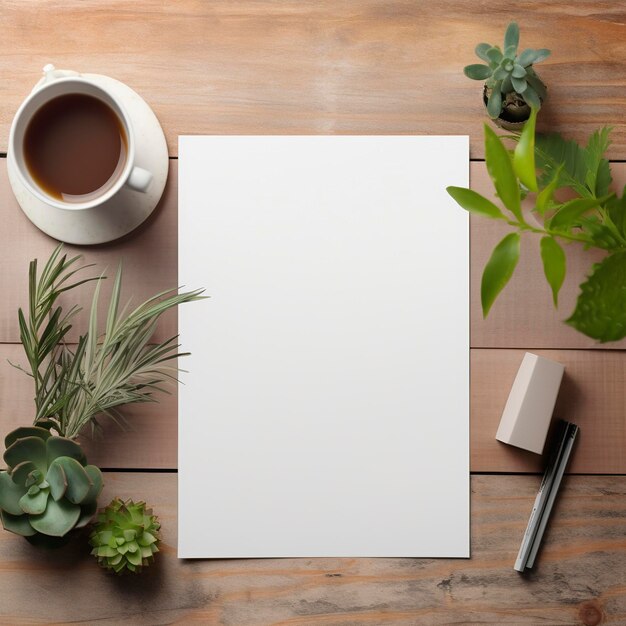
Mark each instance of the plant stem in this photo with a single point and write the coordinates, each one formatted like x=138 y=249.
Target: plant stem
x=524 y=226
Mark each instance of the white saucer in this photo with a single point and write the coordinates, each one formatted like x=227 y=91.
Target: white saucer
x=113 y=219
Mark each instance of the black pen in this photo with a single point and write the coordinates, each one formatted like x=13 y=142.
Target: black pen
x=545 y=497
x=572 y=431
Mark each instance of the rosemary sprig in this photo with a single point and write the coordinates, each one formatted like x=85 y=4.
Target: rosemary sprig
x=76 y=385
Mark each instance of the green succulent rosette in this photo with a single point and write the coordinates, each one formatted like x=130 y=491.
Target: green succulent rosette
x=125 y=537
x=48 y=489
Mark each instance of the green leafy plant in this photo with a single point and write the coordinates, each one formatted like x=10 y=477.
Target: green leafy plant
x=108 y=368
x=48 y=488
x=126 y=537
x=511 y=81
x=595 y=217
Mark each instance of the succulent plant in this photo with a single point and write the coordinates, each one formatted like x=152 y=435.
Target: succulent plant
x=125 y=537
x=509 y=77
x=48 y=488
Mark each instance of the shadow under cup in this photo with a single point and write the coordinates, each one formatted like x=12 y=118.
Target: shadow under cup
x=72 y=144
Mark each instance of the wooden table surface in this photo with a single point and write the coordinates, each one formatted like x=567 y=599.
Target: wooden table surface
x=360 y=66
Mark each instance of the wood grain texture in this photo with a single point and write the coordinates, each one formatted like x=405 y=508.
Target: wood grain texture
x=149 y=257
x=373 y=66
x=588 y=397
x=591 y=396
x=580 y=573
x=151 y=443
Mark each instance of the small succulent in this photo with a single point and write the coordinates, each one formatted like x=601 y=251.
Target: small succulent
x=509 y=77
x=125 y=537
x=48 y=489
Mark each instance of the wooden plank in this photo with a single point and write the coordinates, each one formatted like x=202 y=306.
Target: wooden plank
x=579 y=578
x=150 y=262
x=589 y=396
x=149 y=257
x=523 y=316
x=376 y=66
x=151 y=442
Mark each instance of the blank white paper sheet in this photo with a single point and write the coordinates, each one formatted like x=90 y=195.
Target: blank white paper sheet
x=326 y=408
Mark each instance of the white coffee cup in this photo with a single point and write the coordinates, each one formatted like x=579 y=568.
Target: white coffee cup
x=57 y=83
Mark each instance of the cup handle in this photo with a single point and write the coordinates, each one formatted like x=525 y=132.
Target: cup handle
x=139 y=179
x=50 y=74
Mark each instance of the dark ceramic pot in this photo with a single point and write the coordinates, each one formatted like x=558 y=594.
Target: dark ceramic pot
x=513 y=116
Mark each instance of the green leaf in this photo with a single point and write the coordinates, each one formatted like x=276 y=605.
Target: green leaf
x=34 y=504
x=541 y=55
x=481 y=51
x=544 y=197
x=518 y=71
x=475 y=203
x=531 y=98
x=91 y=338
x=477 y=71
x=58 y=518
x=25 y=431
x=511 y=36
x=146 y=552
x=95 y=475
x=571 y=211
x=134 y=557
x=524 y=155
x=495 y=54
x=519 y=84
x=617 y=212
x=10 y=495
x=529 y=56
x=61 y=446
x=500 y=74
x=21 y=471
x=106 y=551
x=499 y=270
x=598 y=175
x=27 y=449
x=501 y=171
x=78 y=482
x=601 y=306
x=17 y=524
x=536 y=83
x=57 y=480
x=494 y=103
x=554 y=265
x=555 y=153
x=603 y=178
x=34 y=479
x=146 y=539
x=510 y=52
x=112 y=313
x=601 y=235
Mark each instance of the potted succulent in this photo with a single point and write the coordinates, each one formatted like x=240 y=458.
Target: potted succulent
x=592 y=216
x=512 y=86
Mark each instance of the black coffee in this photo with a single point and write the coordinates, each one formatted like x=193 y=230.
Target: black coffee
x=75 y=147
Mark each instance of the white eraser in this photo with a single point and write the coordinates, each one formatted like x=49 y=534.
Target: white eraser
x=528 y=411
